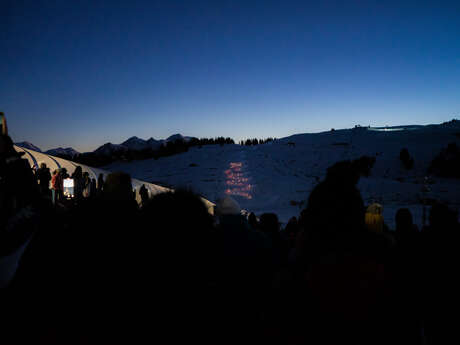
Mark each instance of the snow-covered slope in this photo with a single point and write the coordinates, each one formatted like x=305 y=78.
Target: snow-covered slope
x=69 y=151
x=278 y=177
x=27 y=145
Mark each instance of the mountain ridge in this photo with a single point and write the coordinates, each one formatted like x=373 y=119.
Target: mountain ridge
x=60 y=151
x=28 y=145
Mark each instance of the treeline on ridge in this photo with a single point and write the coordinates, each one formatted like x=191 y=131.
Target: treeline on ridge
x=169 y=148
x=255 y=141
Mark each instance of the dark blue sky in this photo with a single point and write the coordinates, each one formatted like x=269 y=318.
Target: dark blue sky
x=81 y=73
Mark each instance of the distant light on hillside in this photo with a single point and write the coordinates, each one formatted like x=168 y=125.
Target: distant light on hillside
x=236 y=182
x=393 y=129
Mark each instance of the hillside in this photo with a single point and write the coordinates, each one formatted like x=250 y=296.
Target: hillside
x=274 y=176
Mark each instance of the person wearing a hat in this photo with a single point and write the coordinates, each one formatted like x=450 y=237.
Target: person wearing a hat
x=227 y=206
x=374 y=218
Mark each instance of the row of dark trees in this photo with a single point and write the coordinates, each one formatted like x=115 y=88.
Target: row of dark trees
x=445 y=164
x=406 y=159
x=211 y=141
x=169 y=149
x=255 y=141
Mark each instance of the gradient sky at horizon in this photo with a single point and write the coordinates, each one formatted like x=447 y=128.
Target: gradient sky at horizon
x=83 y=73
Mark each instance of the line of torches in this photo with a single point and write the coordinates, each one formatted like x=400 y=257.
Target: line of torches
x=238 y=184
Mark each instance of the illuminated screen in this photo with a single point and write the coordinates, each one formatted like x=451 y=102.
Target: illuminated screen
x=68 y=183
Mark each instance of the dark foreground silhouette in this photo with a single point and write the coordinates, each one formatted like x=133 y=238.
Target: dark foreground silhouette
x=101 y=270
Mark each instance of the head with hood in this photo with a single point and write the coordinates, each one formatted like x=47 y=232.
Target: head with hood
x=118 y=187
x=227 y=206
x=404 y=222
x=78 y=173
x=179 y=223
x=269 y=223
x=335 y=205
x=252 y=220
x=374 y=218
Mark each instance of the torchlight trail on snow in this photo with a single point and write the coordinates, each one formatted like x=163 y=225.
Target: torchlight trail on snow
x=236 y=182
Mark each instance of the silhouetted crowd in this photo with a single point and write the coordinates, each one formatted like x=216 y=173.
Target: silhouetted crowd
x=100 y=269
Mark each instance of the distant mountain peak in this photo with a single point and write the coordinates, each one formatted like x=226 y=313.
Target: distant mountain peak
x=68 y=151
x=135 y=143
x=110 y=148
x=27 y=145
x=178 y=136
x=175 y=137
x=133 y=138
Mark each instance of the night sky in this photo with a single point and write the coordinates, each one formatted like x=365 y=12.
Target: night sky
x=82 y=73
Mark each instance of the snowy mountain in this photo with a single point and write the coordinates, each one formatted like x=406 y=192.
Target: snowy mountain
x=279 y=177
x=109 y=148
x=136 y=144
x=62 y=152
x=27 y=145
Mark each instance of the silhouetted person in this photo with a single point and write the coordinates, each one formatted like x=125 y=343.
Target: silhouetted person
x=439 y=281
x=341 y=307
x=253 y=222
x=21 y=211
x=93 y=188
x=375 y=223
x=275 y=306
x=21 y=208
x=34 y=172
x=78 y=183
x=290 y=231
x=335 y=205
x=374 y=218
x=64 y=173
x=246 y=266
x=89 y=252
x=56 y=187
x=144 y=194
x=100 y=184
x=291 y=234
x=269 y=223
x=43 y=176
x=118 y=189
x=270 y=226
x=407 y=279
x=404 y=224
x=181 y=247
x=86 y=185
x=62 y=176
